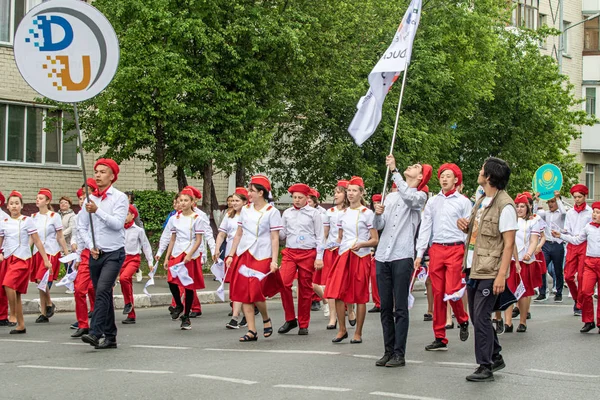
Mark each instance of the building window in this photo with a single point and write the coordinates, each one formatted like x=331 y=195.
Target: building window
x=34 y=135
x=11 y=14
x=590 y=170
x=591 y=39
x=542 y=21
x=565 y=38
x=590 y=101
x=525 y=13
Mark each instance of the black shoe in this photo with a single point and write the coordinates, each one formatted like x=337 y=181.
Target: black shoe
x=499 y=326
x=437 y=345
x=17 y=331
x=288 y=326
x=498 y=364
x=588 y=326
x=396 y=361
x=540 y=298
x=558 y=298
x=4 y=322
x=80 y=332
x=383 y=360
x=464 y=331
x=243 y=323
x=522 y=328
x=315 y=306
x=334 y=326
x=74 y=325
x=352 y=322
x=194 y=314
x=171 y=309
x=185 y=323
x=339 y=339
x=508 y=328
x=450 y=326
x=50 y=311
x=233 y=324
x=358 y=341
x=128 y=321
x=375 y=310
x=12 y=323
x=90 y=339
x=481 y=374
x=577 y=312
x=90 y=314
x=528 y=315
x=42 y=319
x=427 y=317
x=515 y=313
x=106 y=344
x=127 y=309
x=303 y=331
x=176 y=312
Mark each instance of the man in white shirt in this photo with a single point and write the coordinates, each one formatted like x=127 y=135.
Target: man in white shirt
x=3 y=298
x=446 y=252
x=108 y=208
x=398 y=217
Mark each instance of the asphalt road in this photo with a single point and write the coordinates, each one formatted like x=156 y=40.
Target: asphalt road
x=157 y=360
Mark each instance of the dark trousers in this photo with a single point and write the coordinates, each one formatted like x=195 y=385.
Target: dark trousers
x=481 y=305
x=104 y=272
x=554 y=253
x=393 y=282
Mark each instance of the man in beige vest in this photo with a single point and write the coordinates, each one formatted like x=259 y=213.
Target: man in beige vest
x=490 y=232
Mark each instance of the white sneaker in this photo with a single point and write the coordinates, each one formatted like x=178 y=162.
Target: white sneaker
x=70 y=291
x=138 y=275
x=326 y=310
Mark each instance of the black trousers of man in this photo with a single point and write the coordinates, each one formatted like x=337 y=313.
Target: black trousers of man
x=481 y=305
x=393 y=282
x=104 y=272
x=554 y=253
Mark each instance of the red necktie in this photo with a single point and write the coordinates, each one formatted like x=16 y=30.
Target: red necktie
x=128 y=224
x=579 y=208
x=449 y=193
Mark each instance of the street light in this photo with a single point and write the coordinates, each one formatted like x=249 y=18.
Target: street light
x=562 y=29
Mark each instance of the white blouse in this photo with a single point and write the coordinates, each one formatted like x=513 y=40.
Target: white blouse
x=185 y=230
x=229 y=226
x=356 y=224
x=330 y=219
x=47 y=225
x=257 y=226
x=523 y=237
x=16 y=236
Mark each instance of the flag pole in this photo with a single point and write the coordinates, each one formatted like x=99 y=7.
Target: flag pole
x=387 y=170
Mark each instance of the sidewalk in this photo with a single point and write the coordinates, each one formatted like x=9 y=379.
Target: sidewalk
x=160 y=296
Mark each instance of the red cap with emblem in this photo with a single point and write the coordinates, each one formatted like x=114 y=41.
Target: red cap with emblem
x=299 y=188
x=357 y=180
x=195 y=192
x=79 y=192
x=133 y=210
x=579 y=188
x=46 y=192
x=521 y=199
x=455 y=170
x=110 y=164
x=188 y=192
x=15 y=193
x=262 y=181
x=596 y=204
x=313 y=192
x=343 y=183
x=242 y=191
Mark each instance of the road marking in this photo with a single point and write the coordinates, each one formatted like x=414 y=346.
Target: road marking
x=160 y=347
x=139 y=371
x=367 y=356
x=222 y=378
x=402 y=396
x=543 y=371
x=52 y=367
x=75 y=344
x=457 y=364
x=24 y=341
x=324 y=353
x=323 y=388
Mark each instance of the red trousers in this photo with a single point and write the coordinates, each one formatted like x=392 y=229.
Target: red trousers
x=591 y=277
x=303 y=262
x=374 y=290
x=3 y=298
x=445 y=272
x=83 y=288
x=574 y=266
x=129 y=268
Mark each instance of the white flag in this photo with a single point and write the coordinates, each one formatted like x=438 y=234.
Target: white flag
x=180 y=271
x=218 y=270
x=68 y=280
x=43 y=285
x=395 y=60
x=252 y=273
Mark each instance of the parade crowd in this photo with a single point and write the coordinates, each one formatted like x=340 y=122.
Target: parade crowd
x=485 y=259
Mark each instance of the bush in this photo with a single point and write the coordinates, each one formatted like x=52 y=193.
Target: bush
x=154 y=206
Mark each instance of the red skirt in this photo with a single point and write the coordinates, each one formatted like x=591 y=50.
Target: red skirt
x=527 y=271
x=251 y=290
x=38 y=269
x=17 y=274
x=538 y=268
x=349 y=279
x=194 y=268
x=329 y=257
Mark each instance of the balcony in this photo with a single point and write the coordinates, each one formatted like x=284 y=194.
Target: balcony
x=590 y=6
x=591 y=68
x=590 y=139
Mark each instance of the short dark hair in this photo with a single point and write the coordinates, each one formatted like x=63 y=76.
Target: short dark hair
x=258 y=188
x=497 y=171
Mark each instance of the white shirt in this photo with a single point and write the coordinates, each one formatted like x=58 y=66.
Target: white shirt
x=257 y=226
x=185 y=229
x=555 y=220
x=136 y=241
x=77 y=239
x=590 y=233
x=47 y=225
x=321 y=210
x=356 y=224
x=16 y=236
x=439 y=220
x=575 y=222
x=303 y=229
x=523 y=237
x=399 y=222
x=229 y=226
x=3 y=215
x=109 y=221
x=208 y=239
x=330 y=219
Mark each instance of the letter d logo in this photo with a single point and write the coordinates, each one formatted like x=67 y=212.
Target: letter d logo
x=45 y=25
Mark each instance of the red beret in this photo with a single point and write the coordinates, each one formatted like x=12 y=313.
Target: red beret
x=92 y=184
x=299 y=188
x=261 y=180
x=110 y=164
x=343 y=184
x=195 y=192
x=596 y=204
x=314 y=192
x=79 y=192
x=187 y=191
x=46 y=192
x=15 y=193
x=455 y=170
x=2 y=199
x=521 y=199
x=357 y=180
x=133 y=210
x=242 y=191
x=376 y=198
x=528 y=195
x=579 y=188
x=427 y=170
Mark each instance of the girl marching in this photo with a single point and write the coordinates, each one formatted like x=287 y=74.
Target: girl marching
x=15 y=233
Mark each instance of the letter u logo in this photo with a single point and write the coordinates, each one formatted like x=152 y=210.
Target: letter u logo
x=65 y=74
